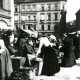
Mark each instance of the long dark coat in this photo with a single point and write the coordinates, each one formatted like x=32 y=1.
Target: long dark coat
x=68 y=59
x=50 y=62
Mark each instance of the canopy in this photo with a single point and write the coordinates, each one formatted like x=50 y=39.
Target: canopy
x=31 y=33
x=3 y=25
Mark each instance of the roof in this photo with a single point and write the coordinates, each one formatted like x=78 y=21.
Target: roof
x=20 y=1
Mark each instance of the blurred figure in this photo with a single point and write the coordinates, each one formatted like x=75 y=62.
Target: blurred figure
x=8 y=40
x=21 y=43
x=56 y=44
x=50 y=62
x=68 y=59
x=76 y=42
x=28 y=50
x=6 y=37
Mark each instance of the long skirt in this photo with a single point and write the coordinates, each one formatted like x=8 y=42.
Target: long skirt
x=50 y=61
x=69 y=57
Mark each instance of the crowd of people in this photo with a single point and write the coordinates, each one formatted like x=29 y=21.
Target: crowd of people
x=54 y=51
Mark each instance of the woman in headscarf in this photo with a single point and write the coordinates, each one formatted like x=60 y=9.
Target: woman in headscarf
x=6 y=63
x=50 y=62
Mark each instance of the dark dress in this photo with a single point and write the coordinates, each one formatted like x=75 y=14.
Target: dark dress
x=76 y=42
x=21 y=46
x=50 y=62
x=22 y=50
x=69 y=57
x=6 y=39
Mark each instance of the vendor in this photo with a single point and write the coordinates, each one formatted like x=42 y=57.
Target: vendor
x=28 y=49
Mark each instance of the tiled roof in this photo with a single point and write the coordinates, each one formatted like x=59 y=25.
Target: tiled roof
x=38 y=0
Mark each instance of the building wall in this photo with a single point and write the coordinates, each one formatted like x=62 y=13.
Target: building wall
x=42 y=15
x=78 y=20
x=5 y=14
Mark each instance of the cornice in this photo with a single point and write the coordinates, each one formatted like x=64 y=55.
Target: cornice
x=4 y=16
x=35 y=1
x=5 y=9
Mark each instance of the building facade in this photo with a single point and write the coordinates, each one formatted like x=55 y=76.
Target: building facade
x=42 y=14
x=78 y=20
x=5 y=14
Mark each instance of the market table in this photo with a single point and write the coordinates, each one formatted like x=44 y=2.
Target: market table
x=22 y=72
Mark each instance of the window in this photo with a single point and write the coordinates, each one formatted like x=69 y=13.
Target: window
x=23 y=17
x=28 y=8
x=15 y=17
x=56 y=6
x=1 y=3
x=16 y=9
x=16 y=27
x=56 y=16
x=49 y=27
x=49 y=7
x=28 y=17
x=34 y=8
x=34 y=17
x=28 y=26
x=23 y=7
x=34 y=27
x=42 y=8
x=42 y=27
x=49 y=16
x=42 y=16
x=23 y=26
x=55 y=27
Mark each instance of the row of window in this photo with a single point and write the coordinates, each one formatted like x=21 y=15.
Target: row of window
x=34 y=8
x=42 y=17
x=28 y=18
x=49 y=16
x=42 y=27
x=35 y=27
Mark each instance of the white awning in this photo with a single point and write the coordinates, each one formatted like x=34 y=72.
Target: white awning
x=3 y=25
